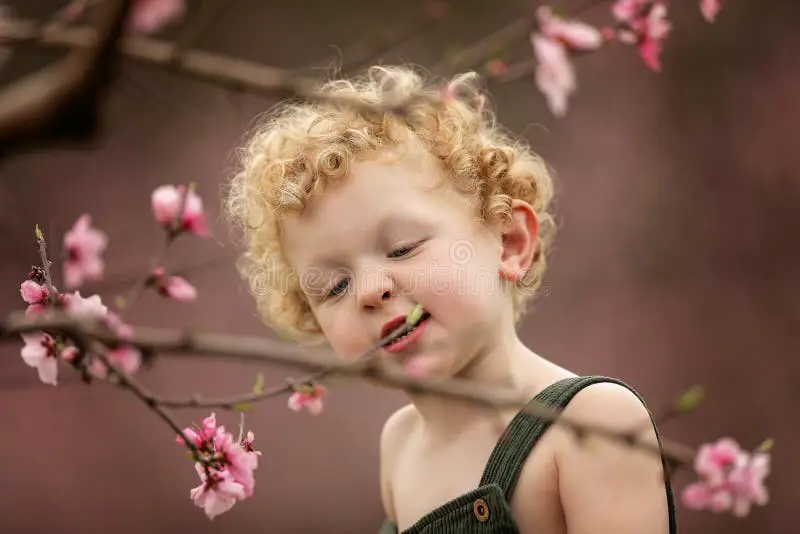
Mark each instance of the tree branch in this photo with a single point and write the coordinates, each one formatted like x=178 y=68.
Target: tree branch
x=220 y=69
x=269 y=351
x=42 y=107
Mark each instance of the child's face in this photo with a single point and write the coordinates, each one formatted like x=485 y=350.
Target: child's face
x=384 y=239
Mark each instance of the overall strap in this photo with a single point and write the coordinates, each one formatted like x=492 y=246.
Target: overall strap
x=508 y=457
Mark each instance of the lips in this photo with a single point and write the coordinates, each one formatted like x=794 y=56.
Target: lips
x=410 y=335
x=393 y=325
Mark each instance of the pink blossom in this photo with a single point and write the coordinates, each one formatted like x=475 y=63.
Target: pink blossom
x=89 y=308
x=115 y=323
x=573 y=34
x=713 y=459
x=83 y=245
x=218 y=493
x=240 y=462
x=655 y=29
x=308 y=397
x=645 y=24
x=173 y=287
x=730 y=479
x=231 y=463
x=149 y=16
x=202 y=436
x=166 y=202
x=126 y=358
x=627 y=11
x=36 y=295
x=710 y=9
x=33 y=293
x=555 y=75
x=40 y=351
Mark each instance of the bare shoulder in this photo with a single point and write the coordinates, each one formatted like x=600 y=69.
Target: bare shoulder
x=396 y=427
x=393 y=434
x=609 y=404
x=606 y=485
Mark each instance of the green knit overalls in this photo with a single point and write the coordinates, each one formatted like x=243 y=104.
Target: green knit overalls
x=486 y=509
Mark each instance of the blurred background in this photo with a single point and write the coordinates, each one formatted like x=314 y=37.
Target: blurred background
x=676 y=262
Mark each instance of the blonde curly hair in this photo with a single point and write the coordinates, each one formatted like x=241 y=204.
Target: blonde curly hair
x=301 y=147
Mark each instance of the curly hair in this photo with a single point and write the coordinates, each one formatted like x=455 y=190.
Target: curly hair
x=301 y=147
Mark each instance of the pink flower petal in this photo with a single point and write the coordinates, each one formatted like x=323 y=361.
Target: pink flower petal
x=572 y=33
x=84 y=246
x=296 y=402
x=33 y=293
x=180 y=289
x=555 y=76
x=314 y=406
x=710 y=9
x=149 y=16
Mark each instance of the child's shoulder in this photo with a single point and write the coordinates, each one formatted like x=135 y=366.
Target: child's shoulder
x=395 y=429
x=609 y=406
x=594 y=467
x=608 y=402
x=396 y=426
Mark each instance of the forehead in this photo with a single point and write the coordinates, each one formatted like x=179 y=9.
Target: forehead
x=377 y=195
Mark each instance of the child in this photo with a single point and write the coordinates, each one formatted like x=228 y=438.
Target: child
x=353 y=217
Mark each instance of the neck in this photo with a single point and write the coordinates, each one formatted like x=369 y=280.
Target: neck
x=507 y=364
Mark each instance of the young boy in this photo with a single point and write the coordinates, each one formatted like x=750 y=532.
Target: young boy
x=353 y=217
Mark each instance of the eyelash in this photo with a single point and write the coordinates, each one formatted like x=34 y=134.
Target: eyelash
x=406 y=249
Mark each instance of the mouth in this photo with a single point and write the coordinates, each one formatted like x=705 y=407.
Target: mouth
x=408 y=336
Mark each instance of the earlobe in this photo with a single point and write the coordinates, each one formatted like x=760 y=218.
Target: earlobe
x=519 y=238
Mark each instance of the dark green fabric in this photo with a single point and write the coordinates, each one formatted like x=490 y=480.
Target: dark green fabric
x=503 y=469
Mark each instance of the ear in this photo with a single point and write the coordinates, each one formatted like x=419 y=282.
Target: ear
x=519 y=237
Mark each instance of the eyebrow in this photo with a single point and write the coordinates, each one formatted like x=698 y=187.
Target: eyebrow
x=401 y=219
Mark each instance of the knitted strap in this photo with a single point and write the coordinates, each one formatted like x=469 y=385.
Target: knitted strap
x=509 y=455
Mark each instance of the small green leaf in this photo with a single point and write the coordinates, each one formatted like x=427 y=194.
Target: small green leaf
x=119 y=302
x=39 y=234
x=258 y=387
x=690 y=399
x=766 y=446
x=308 y=389
x=242 y=406
x=415 y=315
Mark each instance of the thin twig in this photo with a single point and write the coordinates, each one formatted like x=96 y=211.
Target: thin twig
x=46 y=263
x=170 y=235
x=126 y=381
x=264 y=350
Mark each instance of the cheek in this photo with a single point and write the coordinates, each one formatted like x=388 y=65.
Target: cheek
x=457 y=279
x=345 y=337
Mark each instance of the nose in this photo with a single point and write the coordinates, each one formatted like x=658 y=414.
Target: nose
x=375 y=291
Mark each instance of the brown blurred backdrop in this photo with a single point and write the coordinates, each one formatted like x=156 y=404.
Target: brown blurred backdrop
x=676 y=263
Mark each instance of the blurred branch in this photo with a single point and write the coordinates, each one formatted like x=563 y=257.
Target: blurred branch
x=60 y=102
x=269 y=351
x=469 y=57
x=365 y=52
x=209 y=11
x=222 y=70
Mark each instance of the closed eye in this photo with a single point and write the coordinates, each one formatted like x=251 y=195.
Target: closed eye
x=403 y=251
x=337 y=289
